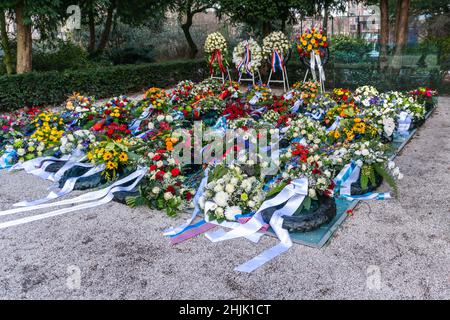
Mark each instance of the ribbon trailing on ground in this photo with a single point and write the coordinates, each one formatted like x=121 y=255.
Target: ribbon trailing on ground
x=6 y=160
x=290 y=198
x=216 y=56
x=404 y=123
x=277 y=59
x=87 y=200
x=349 y=175
x=176 y=230
x=68 y=187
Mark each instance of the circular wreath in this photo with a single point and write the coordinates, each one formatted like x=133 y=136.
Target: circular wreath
x=216 y=50
x=313 y=40
x=276 y=41
x=239 y=53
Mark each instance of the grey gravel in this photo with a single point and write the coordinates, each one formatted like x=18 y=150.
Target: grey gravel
x=397 y=249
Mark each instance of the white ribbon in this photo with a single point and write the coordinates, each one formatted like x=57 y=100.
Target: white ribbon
x=255 y=98
x=107 y=197
x=292 y=197
x=335 y=124
x=66 y=189
x=90 y=196
x=174 y=230
x=404 y=123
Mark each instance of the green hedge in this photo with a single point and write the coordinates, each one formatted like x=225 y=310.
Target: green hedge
x=52 y=88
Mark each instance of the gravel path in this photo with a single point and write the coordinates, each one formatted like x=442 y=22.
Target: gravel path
x=393 y=249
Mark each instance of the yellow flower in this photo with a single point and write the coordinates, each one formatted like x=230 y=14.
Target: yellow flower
x=107 y=156
x=90 y=156
x=123 y=157
x=336 y=134
x=111 y=165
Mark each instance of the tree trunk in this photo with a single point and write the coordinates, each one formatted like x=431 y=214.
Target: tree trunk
x=107 y=30
x=384 y=32
x=267 y=28
x=24 y=41
x=7 y=59
x=91 y=23
x=325 y=20
x=193 y=50
x=401 y=36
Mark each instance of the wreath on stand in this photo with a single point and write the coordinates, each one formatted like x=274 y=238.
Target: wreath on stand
x=247 y=56
x=276 y=48
x=216 y=50
x=313 y=41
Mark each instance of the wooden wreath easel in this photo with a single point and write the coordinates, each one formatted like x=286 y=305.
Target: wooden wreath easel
x=284 y=77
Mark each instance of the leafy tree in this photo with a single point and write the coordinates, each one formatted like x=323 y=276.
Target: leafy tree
x=186 y=10
x=42 y=14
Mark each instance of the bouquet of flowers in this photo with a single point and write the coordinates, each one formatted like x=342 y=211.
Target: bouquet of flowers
x=371 y=157
x=113 y=154
x=309 y=91
x=79 y=140
x=49 y=129
x=275 y=42
x=312 y=40
x=342 y=110
x=206 y=88
x=304 y=128
x=182 y=93
x=342 y=95
x=302 y=160
x=27 y=149
x=366 y=95
x=351 y=129
x=425 y=96
x=247 y=56
x=163 y=187
x=401 y=102
x=158 y=99
x=260 y=96
x=230 y=192
x=216 y=49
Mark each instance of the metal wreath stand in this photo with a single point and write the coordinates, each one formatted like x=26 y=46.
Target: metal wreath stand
x=284 y=77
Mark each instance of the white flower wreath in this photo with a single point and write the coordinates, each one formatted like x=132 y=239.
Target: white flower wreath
x=255 y=58
x=275 y=41
x=216 y=41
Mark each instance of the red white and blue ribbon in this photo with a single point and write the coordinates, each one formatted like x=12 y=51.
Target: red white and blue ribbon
x=245 y=62
x=277 y=60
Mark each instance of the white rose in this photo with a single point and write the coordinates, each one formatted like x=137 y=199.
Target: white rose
x=312 y=193
x=160 y=118
x=159 y=164
x=156 y=190
x=20 y=152
x=168 y=196
x=219 y=212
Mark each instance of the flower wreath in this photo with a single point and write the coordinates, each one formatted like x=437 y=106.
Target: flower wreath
x=275 y=47
x=247 y=56
x=313 y=40
x=216 y=48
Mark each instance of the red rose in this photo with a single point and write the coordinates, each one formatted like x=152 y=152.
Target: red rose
x=188 y=196
x=170 y=189
x=160 y=175
x=175 y=172
x=110 y=132
x=157 y=157
x=153 y=167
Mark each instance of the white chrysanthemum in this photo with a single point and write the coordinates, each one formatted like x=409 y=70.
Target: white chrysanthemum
x=221 y=198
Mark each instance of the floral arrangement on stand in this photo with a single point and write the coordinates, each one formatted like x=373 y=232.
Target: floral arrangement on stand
x=216 y=49
x=247 y=56
x=276 y=42
x=312 y=40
